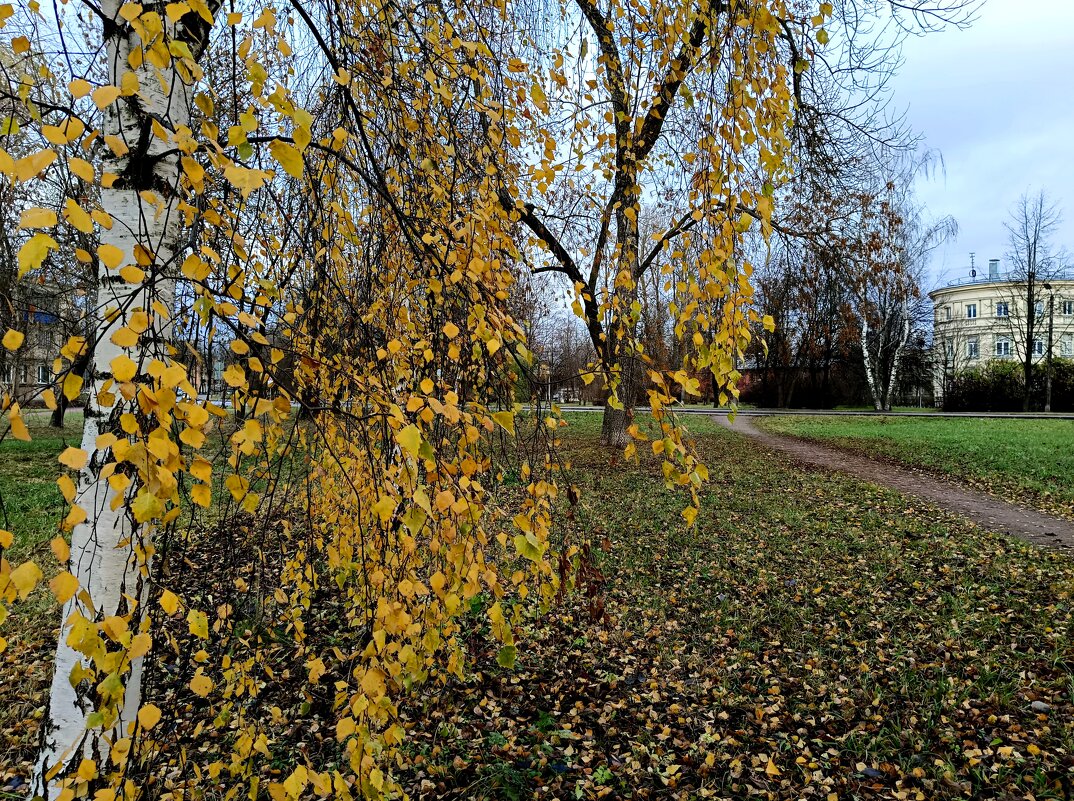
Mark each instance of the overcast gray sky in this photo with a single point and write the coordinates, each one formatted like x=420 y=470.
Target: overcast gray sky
x=997 y=101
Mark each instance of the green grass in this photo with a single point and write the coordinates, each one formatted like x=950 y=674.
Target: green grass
x=32 y=504
x=1020 y=459
x=810 y=636
x=32 y=509
x=869 y=646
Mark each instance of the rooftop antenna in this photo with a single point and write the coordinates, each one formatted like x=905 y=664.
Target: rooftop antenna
x=973 y=270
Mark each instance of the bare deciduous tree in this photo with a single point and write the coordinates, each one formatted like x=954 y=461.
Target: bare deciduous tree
x=1033 y=261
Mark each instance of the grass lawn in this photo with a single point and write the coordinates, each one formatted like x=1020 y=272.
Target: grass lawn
x=32 y=504
x=1019 y=459
x=811 y=637
x=32 y=508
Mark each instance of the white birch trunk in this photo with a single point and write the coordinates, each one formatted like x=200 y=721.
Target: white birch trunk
x=106 y=553
x=895 y=362
x=870 y=375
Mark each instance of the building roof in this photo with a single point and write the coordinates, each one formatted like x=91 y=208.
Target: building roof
x=1005 y=278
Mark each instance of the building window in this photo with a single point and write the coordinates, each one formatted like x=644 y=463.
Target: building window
x=973 y=348
x=43 y=374
x=971 y=311
x=1038 y=347
x=1038 y=308
x=1002 y=309
x=1003 y=346
x=1065 y=345
x=947 y=312
x=949 y=348
x=1068 y=308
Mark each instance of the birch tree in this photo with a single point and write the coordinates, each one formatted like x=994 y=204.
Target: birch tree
x=888 y=261
x=341 y=208
x=1033 y=261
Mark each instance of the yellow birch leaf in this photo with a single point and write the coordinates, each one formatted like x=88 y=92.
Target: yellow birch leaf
x=67 y=488
x=63 y=586
x=409 y=439
x=506 y=421
x=146 y=507
x=79 y=87
x=201 y=685
x=29 y=166
x=77 y=216
x=6 y=538
x=201 y=469
x=81 y=169
x=13 y=339
x=140 y=645
x=289 y=157
x=198 y=623
x=110 y=256
x=72 y=386
x=62 y=134
x=129 y=83
x=104 y=96
x=74 y=458
x=37 y=218
x=60 y=549
x=132 y=274
x=18 y=428
x=74 y=517
x=124 y=338
x=149 y=716
x=373 y=683
x=25 y=577
x=234 y=376
x=169 y=602
x=123 y=368
x=538 y=97
x=32 y=254
x=201 y=495
x=384 y=508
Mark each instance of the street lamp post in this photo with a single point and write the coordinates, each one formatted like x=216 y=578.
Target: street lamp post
x=1048 y=356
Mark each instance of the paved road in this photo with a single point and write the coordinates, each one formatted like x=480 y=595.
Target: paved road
x=986 y=510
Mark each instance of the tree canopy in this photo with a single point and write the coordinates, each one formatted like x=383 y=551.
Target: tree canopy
x=329 y=204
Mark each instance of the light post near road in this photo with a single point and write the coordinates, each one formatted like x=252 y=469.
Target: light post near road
x=1048 y=355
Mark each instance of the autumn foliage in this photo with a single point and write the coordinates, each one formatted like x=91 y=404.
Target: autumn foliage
x=330 y=204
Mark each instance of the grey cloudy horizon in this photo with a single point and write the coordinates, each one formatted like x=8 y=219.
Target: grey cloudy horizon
x=996 y=100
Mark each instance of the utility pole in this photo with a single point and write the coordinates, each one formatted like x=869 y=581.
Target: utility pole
x=1048 y=355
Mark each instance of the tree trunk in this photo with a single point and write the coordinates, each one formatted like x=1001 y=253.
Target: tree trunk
x=79 y=367
x=620 y=343
x=870 y=375
x=900 y=346
x=107 y=549
x=613 y=430
x=1031 y=326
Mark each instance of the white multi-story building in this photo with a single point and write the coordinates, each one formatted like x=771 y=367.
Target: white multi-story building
x=986 y=317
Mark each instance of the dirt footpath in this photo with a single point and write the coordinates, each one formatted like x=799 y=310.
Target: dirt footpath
x=986 y=510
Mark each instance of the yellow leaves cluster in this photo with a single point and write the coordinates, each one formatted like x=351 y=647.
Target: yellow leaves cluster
x=403 y=521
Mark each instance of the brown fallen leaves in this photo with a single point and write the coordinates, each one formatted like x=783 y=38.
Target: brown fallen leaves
x=812 y=637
